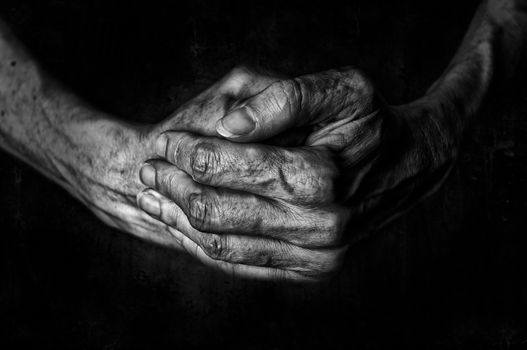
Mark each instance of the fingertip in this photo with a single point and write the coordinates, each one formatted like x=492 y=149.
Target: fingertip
x=147 y=175
x=149 y=203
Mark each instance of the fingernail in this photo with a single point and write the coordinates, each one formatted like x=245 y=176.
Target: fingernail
x=150 y=204
x=235 y=124
x=161 y=145
x=147 y=174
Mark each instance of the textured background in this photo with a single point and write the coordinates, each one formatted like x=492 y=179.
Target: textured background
x=449 y=275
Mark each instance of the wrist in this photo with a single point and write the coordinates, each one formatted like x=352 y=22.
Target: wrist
x=427 y=143
x=108 y=156
x=126 y=148
x=454 y=99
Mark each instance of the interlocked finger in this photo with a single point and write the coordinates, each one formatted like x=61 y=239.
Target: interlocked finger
x=224 y=211
x=250 y=252
x=299 y=175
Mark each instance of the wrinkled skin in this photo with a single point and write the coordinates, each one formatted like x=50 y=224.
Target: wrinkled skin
x=274 y=212
x=261 y=176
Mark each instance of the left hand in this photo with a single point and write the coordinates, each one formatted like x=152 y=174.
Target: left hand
x=280 y=213
x=116 y=150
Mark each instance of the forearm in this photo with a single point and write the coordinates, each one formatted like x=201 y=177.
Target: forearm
x=487 y=59
x=93 y=156
x=54 y=131
x=423 y=140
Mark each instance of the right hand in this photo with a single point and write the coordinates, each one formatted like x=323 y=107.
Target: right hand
x=280 y=212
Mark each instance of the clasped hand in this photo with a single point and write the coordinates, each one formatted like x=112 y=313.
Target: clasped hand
x=272 y=178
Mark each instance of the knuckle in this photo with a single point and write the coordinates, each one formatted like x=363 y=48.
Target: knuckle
x=294 y=92
x=354 y=77
x=238 y=77
x=325 y=180
x=204 y=162
x=215 y=246
x=334 y=227
x=363 y=80
x=286 y=94
x=314 y=178
x=319 y=189
x=363 y=86
x=353 y=88
x=201 y=210
x=241 y=72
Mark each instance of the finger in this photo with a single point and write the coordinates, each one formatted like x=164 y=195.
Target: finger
x=201 y=114
x=302 y=175
x=244 y=250
x=297 y=102
x=243 y=82
x=240 y=270
x=168 y=212
x=267 y=114
x=268 y=262
x=209 y=209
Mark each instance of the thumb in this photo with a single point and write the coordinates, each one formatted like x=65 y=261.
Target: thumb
x=267 y=114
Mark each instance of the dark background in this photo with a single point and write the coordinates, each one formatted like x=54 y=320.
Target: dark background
x=449 y=275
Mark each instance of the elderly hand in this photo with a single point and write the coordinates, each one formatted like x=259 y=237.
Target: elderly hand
x=274 y=212
x=102 y=169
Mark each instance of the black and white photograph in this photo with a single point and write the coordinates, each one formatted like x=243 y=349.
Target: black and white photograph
x=206 y=174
